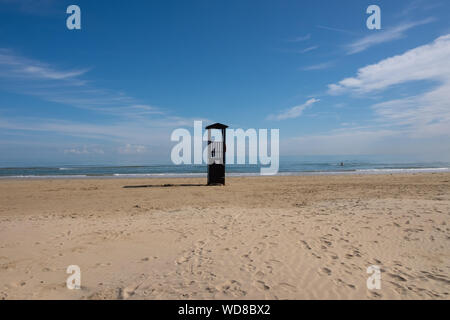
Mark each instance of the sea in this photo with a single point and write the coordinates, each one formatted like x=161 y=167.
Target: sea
x=316 y=166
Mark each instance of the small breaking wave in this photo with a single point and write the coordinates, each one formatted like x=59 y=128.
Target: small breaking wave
x=405 y=170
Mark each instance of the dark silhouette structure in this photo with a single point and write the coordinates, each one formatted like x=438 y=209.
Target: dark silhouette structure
x=216 y=156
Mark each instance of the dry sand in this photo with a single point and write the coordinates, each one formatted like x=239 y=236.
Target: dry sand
x=309 y=237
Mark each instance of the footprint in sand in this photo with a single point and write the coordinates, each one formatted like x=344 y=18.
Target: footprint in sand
x=306 y=244
x=326 y=270
x=231 y=287
x=286 y=286
x=397 y=277
x=262 y=285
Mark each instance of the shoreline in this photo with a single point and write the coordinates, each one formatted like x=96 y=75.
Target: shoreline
x=231 y=174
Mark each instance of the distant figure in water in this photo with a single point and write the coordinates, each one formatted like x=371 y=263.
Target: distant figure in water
x=342 y=164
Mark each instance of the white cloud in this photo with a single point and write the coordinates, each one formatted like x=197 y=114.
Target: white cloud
x=35 y=7
x=309 y=49
x=84 y=150
x=335 y=29
x=418 y=5
x=320 y=66
x=427 y=115
x=16 y=66
x=137 y=132
x=39 y=79
x=418 y=123
x=302 y=38
x=293 y=112
x=47 y=73
x=132 y=149
x=368 y=141
x=427 y=62
x=340 y=142
x=378 y=37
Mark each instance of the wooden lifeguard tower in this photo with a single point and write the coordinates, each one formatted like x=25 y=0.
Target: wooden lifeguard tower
x=216 y=155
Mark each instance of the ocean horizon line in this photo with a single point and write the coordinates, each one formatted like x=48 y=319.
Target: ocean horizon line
x=187 y=174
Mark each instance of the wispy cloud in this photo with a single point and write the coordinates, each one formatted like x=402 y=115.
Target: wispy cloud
x=426 y=62
x=84 y=150
x=424 y=115
x=336 y=29
x=122 y=131
x=309 y=49
x=319 y=66
x=32 y=7
x=293 y=112
x=412 y=6
x=387 y=35
x=301 y=38
x=68 y=87
x=414 y=125
x=14 y=66
x=418 y=6
x=132 y=149
x=132 y=127
x=344 y=141
x=46 y=73
x=354 y=140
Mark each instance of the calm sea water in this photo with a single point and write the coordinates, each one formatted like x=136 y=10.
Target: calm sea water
x=286 y=168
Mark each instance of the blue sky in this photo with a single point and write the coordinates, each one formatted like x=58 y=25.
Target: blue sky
x=113 y=91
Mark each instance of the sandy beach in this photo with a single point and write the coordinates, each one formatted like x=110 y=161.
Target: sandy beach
x=299 y=237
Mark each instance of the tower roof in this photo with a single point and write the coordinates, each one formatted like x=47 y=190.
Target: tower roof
x=216 y=126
